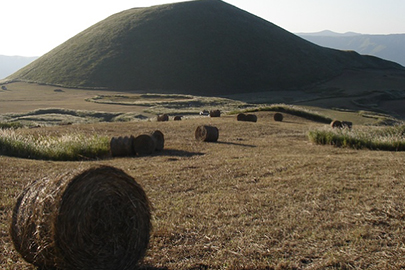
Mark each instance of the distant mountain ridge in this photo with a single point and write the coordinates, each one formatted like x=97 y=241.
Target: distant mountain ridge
x=10 y=64
x=390 y=47
x=205 y=47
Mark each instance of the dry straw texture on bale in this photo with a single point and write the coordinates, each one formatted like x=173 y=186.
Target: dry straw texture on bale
x=122 y=146
x=98 y=218
x=144 y=144
x=278 y=117
x=159 y=140
x=215 y=113
x=207 y=133
x=163 y=117
x=336 y=124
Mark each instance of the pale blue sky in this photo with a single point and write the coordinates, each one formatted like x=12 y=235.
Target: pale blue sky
x=34 y=27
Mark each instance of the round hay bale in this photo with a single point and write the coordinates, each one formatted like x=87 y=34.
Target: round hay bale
x=162 y=118
x=98 y=218
x=144 y=144
x=347 y=124
x=207 y=133
x=251 y=118
x=177 y=118
x=215 y=113
x=241 y=117
x=159 y=139
x=336 y=124
x=278 y=117
x=122 y=146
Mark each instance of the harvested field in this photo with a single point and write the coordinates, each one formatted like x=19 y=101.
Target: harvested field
x=262 y=197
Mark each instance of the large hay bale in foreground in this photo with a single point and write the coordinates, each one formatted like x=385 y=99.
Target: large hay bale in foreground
x=336 y=124
x=207 y=133
x=144 y=144
x=122 y=146
x=278 y=117
x=159 y=139
x=98 y=218
x=162 y=118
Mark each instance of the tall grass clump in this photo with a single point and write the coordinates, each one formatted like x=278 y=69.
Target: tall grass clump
x=10 y=125
x=294 y=110
x=67 y=147
x=373 y=138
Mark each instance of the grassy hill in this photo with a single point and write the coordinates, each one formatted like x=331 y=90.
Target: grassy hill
x=205 y=47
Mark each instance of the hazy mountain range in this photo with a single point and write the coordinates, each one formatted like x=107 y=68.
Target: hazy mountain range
x=10 y=64
x=390 y=47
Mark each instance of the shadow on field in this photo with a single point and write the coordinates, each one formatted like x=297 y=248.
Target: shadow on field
x=237 y=144
x=178 y=153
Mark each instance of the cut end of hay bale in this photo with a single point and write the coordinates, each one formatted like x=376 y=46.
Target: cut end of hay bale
x=159 y=139
x=278 y=117
x=144 y=144
x=336 y=124
x=241 y=117
x=207 y=133
x=215 y=113
x=162 y=118
x=122 y=146
x=93 y=219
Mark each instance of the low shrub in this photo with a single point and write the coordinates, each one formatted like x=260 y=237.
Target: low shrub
x=68 y=147
x=373 y=138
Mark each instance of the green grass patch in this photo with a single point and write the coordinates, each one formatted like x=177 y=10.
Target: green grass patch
x=10 y=125
x=373 y=138
x=67 y=147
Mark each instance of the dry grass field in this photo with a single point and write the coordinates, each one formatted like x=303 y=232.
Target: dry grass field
x=262 y=197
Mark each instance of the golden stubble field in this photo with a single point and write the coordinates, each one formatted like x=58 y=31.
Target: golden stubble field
x=262 y=197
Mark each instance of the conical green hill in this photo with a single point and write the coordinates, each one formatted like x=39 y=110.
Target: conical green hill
x=201 y=47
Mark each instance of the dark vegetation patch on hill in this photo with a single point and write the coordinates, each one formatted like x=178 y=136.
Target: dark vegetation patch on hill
x=205 y=47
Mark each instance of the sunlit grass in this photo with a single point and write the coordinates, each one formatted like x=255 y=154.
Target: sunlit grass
x=373 y=138
x=73 y=146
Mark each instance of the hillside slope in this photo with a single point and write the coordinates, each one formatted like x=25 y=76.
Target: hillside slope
x=204 y=47
x=390 y=47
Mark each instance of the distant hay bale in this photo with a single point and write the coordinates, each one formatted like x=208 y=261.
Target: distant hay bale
x=347 y=124
x=144 y=144
x=241 y=117
x=207 y=133
x=122 y=146
x=215 y=113
x=278 y=117
x=98 y=218
x=159 y=139
x=162 y=118
x=251 y=118
x=336 y=124
x=177 y=118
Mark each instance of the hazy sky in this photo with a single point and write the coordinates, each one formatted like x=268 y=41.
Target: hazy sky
x=34 y=27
